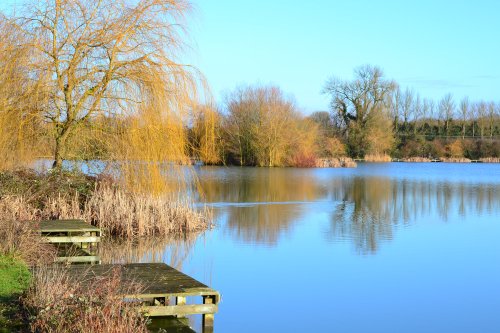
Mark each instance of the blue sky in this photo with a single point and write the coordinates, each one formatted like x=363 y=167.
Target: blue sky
x=435 y=47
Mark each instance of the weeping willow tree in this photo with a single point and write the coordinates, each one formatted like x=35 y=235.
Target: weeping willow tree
x=207 y=140
x=110 y=75
x=20 y=100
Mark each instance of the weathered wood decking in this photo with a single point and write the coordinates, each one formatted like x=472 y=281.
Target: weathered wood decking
x=76 y=240
x=160 y=282
x=164 y=290
x=69 y=231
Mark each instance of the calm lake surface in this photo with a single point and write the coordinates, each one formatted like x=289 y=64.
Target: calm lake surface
x=396 y=247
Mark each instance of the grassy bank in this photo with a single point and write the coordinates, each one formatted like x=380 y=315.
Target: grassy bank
x=14 y=280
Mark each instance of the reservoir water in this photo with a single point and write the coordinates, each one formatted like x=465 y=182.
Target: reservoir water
x=395 y=247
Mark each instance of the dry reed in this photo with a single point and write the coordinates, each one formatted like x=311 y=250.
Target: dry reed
x=335 y=162
x=130 y=215
x=58 y=303
x=117 y=212
x=490 y=160
x=455 y=160
x=20 y=239
x=379 y=158
x=417 y=159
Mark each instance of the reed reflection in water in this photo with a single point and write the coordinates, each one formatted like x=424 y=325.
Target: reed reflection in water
x=170 y=250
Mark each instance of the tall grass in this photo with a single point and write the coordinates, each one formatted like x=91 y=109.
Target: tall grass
x=57 y=302
x=128 y=214
x=335 y=162
x=490 y=160
x=21 y=240
x=29 y=196
x=379 y=158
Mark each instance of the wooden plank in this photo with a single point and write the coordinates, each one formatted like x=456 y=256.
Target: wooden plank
x=67 y=226
x=71 y=239
x=79 y=259
x=182 y=310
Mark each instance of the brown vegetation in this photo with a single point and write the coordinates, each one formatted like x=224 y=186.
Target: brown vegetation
x=490 y=160
x=380 y=158
x=417 y=159
x=21 y=240
x=335 y=162
x=58 y=303
x=128 y=214
x=26 y=195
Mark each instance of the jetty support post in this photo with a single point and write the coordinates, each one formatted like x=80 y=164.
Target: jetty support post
x=180 y=300
x=208 y=318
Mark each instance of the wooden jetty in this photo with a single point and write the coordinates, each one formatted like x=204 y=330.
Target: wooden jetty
x=162 y=286
x=165 y=291
x=75 y=240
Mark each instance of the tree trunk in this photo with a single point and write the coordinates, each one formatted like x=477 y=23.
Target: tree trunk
x=57 y=155
x=59 y=149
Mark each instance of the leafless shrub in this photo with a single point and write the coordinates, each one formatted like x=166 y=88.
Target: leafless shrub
x=21 y=239
x=57 y=302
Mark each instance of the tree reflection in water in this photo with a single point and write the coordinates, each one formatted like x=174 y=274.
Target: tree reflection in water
x=371 y=208
x=257 y=205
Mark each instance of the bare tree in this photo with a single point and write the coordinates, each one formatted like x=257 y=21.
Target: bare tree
x=417 y=113
x=464 y=112
x=359 y=102
x=481 y=116
x=407 y=106
x=491 y=117
x=260 y=124
x=446 y=110
x=426 y=109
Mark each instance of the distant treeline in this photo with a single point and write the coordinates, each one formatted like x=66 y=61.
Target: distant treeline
x=369 y=117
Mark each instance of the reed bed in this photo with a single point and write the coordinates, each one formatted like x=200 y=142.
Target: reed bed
x=416 y=159
x=116 y=211
x=131 y=215
x=57 y=303
x=336 y=162
x=171 y=250
x=490 y=160
x=378 y=158
x=455 y=160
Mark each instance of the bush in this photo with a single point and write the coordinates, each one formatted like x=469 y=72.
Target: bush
x=454 y=149
x=37 y=187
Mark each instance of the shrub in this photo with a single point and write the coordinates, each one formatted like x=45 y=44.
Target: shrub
x=454 y=149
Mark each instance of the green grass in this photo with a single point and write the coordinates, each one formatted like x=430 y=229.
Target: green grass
x=14 y=279
x=14 y=276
